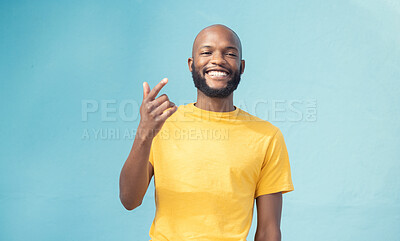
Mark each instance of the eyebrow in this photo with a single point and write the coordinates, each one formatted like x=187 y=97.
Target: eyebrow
x=229 y=47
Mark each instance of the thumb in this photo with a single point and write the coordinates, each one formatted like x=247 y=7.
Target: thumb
x=146 y=89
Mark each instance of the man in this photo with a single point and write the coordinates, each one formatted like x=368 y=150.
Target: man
x=210 y=159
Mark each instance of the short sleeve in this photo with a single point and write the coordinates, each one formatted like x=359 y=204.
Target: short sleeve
x=275 y=174
x=153 y=150
x=151 y=156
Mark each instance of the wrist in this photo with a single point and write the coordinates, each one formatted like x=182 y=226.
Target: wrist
x=145 y=134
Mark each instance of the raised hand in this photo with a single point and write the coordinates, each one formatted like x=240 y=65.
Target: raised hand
x=154 y=111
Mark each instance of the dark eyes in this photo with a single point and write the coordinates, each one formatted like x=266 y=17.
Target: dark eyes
x=208 y=53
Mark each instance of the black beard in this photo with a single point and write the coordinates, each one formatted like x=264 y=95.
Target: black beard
x=201 y=84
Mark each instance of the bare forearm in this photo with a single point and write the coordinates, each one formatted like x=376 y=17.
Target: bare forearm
x=134 y=178
x=269 y=235
x=136 y=172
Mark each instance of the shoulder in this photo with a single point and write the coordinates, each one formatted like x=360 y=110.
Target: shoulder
x=179 y=115
x=262 y=126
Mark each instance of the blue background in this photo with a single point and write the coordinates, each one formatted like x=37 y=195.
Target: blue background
x=59 y=184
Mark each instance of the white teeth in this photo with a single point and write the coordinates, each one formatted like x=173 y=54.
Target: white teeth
x=217 y=73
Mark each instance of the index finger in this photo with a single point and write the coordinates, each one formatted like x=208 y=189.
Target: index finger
x=154 y=92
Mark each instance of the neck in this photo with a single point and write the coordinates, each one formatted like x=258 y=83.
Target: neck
x=214 y=104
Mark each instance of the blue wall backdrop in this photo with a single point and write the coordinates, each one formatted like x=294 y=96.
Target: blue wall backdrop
x=327 y=73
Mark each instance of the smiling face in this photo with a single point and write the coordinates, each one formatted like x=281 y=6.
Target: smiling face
x=216 y=63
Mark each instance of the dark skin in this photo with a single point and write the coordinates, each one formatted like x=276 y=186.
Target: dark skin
x=215 y=48
x=269 y=209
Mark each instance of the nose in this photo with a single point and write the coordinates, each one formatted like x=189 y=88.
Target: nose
x=217 y=59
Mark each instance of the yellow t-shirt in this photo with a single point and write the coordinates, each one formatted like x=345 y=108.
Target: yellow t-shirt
x=208 y=169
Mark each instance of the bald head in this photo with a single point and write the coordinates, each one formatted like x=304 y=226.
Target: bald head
x=216 y=32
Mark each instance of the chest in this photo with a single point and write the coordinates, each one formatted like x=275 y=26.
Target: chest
x=202 y=164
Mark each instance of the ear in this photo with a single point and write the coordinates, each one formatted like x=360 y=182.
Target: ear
x=242 y=66
x=190 y=62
